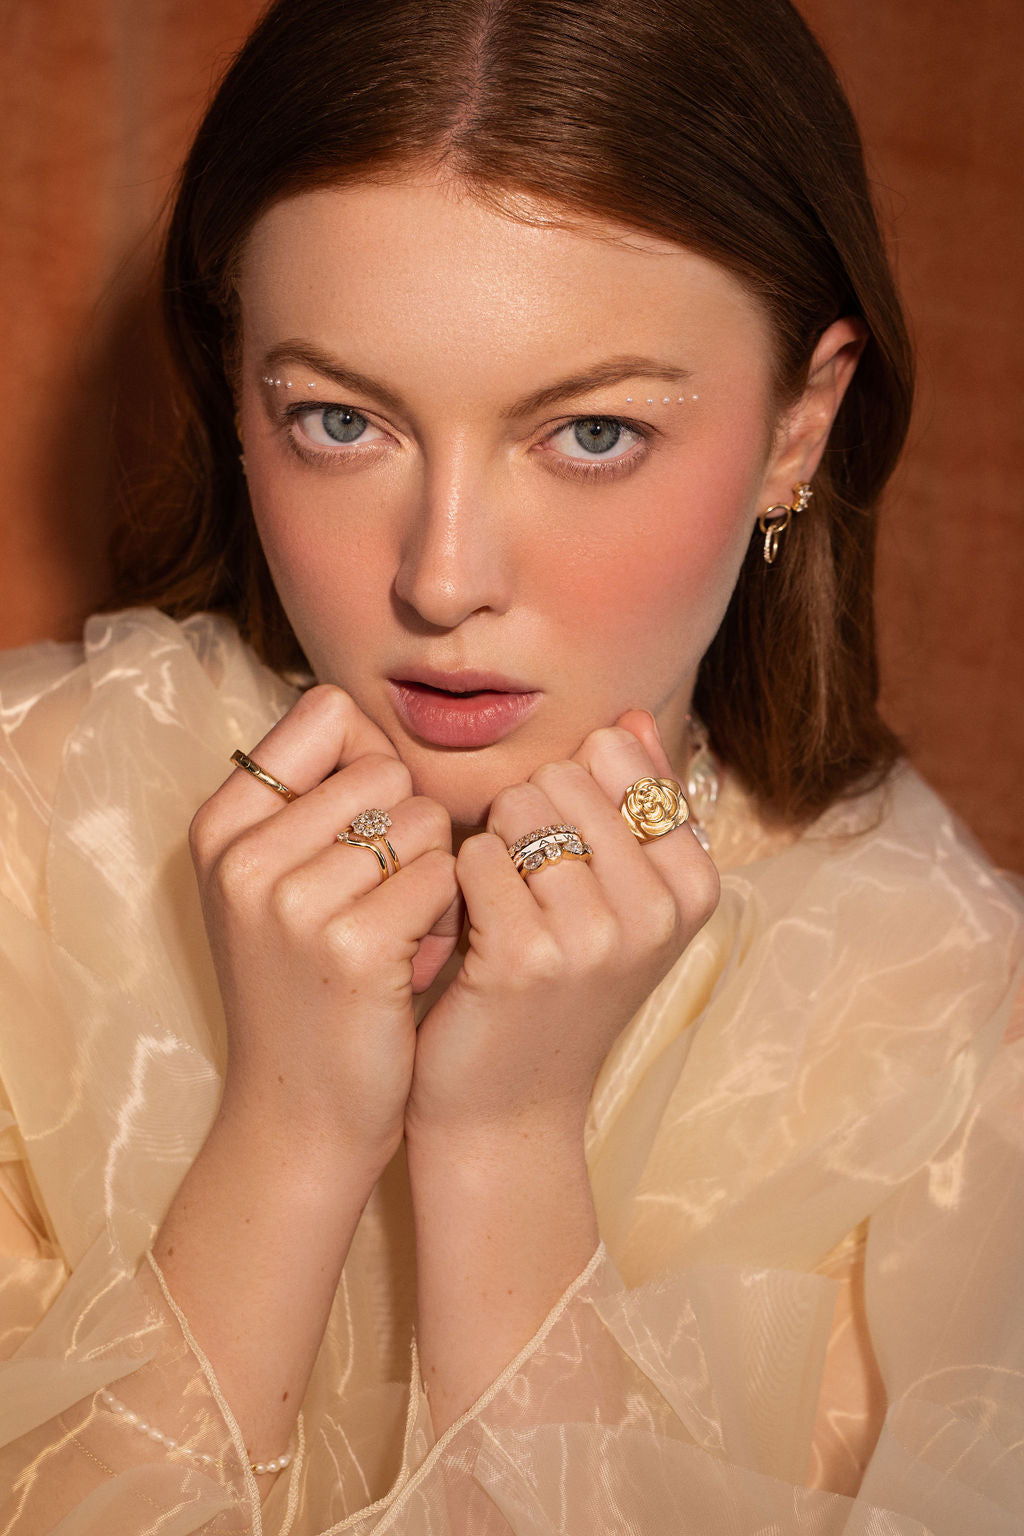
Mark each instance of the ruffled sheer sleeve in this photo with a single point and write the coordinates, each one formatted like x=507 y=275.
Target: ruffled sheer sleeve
x=805 y=1152
x=109 y=1046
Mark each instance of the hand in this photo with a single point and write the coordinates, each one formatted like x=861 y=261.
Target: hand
x=557 y=963
x=318 y=958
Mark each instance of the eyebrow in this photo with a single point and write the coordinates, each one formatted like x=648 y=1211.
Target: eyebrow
x=323 y=363
x=615 y=370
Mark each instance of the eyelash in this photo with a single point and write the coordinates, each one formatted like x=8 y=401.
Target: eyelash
x=574 y=469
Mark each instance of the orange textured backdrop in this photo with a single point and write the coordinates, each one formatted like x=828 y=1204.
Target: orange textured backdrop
x=99 y=97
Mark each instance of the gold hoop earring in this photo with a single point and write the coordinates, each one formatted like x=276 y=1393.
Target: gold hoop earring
x=775 y=520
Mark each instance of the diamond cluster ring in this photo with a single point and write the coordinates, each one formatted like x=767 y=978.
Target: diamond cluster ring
x=369 y=829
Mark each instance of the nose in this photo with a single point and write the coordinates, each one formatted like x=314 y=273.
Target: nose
x=452 y=562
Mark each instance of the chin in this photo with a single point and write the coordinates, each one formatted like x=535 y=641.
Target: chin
x=464 y=786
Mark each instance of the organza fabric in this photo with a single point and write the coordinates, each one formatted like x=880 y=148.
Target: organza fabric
x=806 y=1154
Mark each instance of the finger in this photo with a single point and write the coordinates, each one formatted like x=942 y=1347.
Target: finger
x=438 y=945
x=642 y=724
x=279 y=843
x=405 y=908
x=627 y=879
x=324 y=730
x=308 y=891
x=525 y=808
x=615 y=758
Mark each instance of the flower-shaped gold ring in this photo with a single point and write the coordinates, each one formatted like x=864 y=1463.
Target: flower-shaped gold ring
x=653 y=807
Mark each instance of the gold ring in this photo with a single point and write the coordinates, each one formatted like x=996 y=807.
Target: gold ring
x=243 y=761
x=548 y=845
x=653 y=807
x=367 y=830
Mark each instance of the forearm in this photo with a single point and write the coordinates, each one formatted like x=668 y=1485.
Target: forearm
x=252 y=1250
x=504 y=1223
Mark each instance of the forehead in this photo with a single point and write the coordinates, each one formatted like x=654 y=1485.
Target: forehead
x=431 y=271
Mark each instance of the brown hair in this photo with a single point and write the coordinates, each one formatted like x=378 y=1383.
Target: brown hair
x=716 y=123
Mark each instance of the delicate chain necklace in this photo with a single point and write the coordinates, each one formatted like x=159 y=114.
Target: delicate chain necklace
x=701 y=781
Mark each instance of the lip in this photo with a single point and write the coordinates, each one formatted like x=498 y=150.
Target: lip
x=460 y=709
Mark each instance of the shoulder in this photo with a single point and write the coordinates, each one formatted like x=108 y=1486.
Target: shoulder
x=893 y=869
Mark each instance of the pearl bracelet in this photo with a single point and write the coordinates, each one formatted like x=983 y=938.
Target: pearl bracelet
x=201 y=1458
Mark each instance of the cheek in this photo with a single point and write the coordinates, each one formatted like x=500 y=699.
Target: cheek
x=324 y=581
x=654 y=583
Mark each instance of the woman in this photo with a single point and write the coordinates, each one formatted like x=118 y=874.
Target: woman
x=541 y=371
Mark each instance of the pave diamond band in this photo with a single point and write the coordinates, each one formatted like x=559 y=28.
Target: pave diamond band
x=548 y=845
x=564 y=829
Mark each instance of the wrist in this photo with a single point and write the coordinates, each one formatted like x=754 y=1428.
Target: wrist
x=289 y=1146
x=556 y=1129
x=498 y=1165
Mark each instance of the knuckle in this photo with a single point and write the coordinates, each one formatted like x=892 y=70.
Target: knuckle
x=608 y=739
x=392 y=779
x=439 y=861
x=553 y=777
x=602 y=942
x=350 y=943
x=512 y=804
x=540 y=958
x=662 y=925
x=289 y=898
x=237 y=871
x=432 y=820
x=478 y=853
x=326 y=700
x=201 y=840
x=706 y=890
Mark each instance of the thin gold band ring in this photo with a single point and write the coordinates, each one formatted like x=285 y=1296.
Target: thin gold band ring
x=244 y=761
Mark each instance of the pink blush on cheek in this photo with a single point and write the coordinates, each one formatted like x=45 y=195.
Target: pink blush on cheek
x=673 y=575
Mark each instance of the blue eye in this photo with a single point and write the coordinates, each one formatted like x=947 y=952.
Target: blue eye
x=342 y=424
x=597 y=434
x=331 y=427
x=595 y=438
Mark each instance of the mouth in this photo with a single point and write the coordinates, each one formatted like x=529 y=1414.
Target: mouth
x=461 y=710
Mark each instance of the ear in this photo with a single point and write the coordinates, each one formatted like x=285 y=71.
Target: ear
x=803 y=428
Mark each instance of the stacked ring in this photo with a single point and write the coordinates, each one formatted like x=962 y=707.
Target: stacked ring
x=246 y=762
x=654 y=807
x=368 y=829
x=548 y=845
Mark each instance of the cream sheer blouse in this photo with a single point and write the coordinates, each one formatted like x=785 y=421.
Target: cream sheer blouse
x=805 y=1152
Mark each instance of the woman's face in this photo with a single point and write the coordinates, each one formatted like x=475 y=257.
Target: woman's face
x=505 y=473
